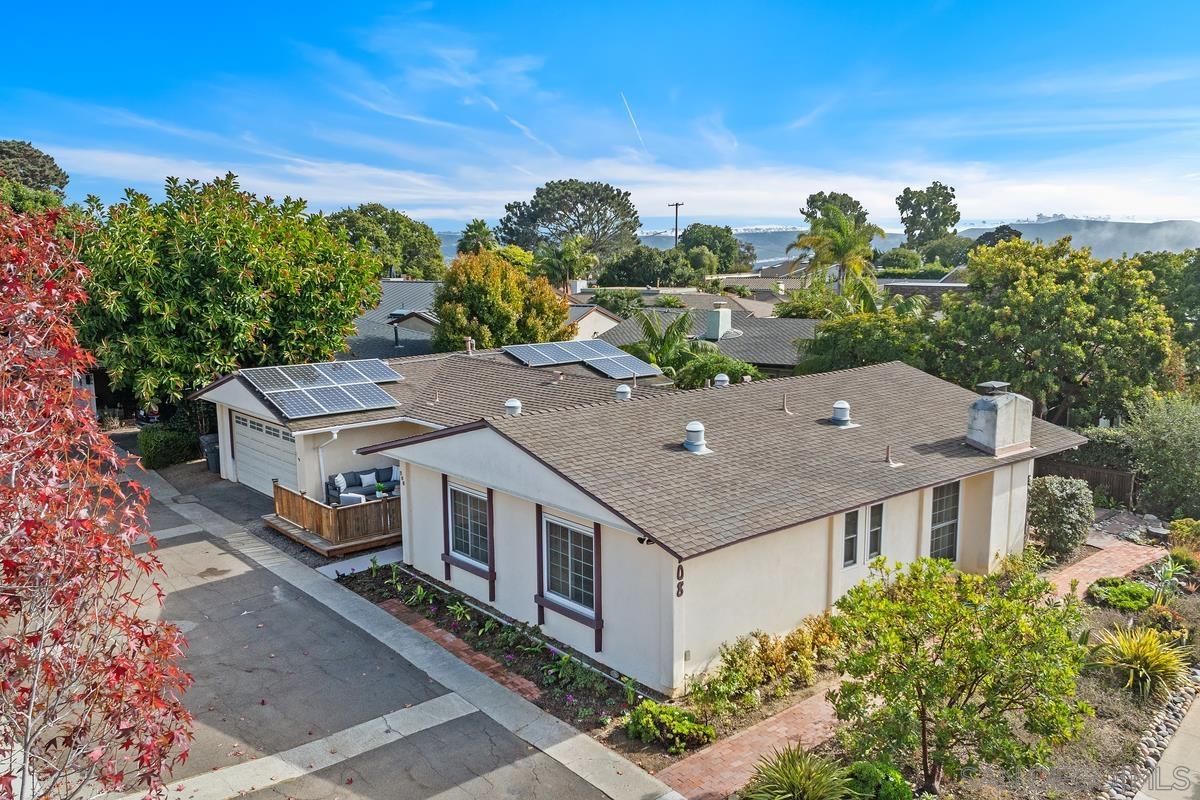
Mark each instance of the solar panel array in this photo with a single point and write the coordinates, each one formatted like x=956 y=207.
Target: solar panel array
x=314 y=390
x=601 y=356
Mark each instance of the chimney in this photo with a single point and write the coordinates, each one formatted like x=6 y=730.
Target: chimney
x=693 y=438
x=512 y=407
x=719 y=321
x=470 y=345
x=721 y=380
x=622 y=392
x=999 y=421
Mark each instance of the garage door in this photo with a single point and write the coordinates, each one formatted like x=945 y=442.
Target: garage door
x=262 y=451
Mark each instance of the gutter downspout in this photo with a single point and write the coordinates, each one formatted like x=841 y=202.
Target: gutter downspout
x=333 y=434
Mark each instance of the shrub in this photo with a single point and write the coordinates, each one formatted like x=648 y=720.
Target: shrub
x=1164 y=619
x=705 y=366
x=1164 y=436
x=795 y=774
x=738 y=290
x=877 y=780
x=898 y=258
x=162 y=447
x=1061 y=511
x=1106 y=447
x=1186 y=533
x=929 y=272
x=1151 y=662
x=825 y=640
x=670 y=726
x=1188 y=559
x=1122 y=594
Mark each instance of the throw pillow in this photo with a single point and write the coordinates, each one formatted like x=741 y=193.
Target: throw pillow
x=339 y=481
x=396 y=473
x=368 y=479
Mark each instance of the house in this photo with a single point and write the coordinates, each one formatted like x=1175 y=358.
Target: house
x=591 y=320
x=769 y=343
x=646 y=532
x=688 y=296
x=400 y=325
x=263 y=441
x=934 y=290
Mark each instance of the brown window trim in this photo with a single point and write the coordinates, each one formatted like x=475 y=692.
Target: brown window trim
x=544 y=602
x=451 y=560
x=596 y=620
x=446 y=523
x=541 y=578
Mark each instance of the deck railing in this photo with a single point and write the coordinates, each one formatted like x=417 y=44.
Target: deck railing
x=338 y=524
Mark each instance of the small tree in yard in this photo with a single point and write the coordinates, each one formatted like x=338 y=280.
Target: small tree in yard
x=89 y=686
x=949 y=670
x=1061 y=512
x=1164 y=436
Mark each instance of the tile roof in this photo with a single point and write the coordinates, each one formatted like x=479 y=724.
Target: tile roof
x=767 y=341
x=768 y=469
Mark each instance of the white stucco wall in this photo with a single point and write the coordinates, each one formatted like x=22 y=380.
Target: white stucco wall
x=593 y=324
x=340 y=455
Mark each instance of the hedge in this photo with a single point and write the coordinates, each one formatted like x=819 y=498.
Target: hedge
x=1108 y=448
x=162 y=447
x=926 y=272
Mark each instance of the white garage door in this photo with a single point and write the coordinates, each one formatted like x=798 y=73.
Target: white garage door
x=262 y=451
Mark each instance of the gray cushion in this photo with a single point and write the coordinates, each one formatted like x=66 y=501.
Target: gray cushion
x=350 y=498
x=351 y=479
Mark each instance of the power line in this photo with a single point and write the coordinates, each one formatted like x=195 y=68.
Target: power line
x=676 y=207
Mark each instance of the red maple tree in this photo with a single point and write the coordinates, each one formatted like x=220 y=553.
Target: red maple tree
x=90 y=683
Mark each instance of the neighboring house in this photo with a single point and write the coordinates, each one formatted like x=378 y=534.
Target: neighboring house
x=400 y=325
x=690 y=297
x=934 y=290
x=645 y=533
x=260 y=442
x=769 y=343
x=592 y=320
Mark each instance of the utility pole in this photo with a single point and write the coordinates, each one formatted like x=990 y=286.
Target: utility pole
x=676 y=206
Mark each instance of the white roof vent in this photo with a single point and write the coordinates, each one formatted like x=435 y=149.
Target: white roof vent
x=512 y=407
x=721 y=380
x=841 y=415
x=693 y=439
x=622 y=392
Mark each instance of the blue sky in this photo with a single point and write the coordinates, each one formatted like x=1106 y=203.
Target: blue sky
x=449 y=110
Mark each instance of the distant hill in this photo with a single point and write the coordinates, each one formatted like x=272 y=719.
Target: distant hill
x=1106 y=238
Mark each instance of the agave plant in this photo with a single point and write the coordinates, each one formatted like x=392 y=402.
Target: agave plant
x=796 y=774
x=1168 y=579
x=1152 y=663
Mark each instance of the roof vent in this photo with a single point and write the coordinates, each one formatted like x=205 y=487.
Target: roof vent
x=469 y=345
x=512 y=407
x=721 y=380
x=622 y=392
x=694 y=438
x=841 y=414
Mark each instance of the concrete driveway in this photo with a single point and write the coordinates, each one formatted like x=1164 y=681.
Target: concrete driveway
x=305 y=690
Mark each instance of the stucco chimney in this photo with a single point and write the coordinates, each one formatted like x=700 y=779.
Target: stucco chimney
x=719 y=321
x=694 y=438
x=512 y=407
x=622 y=392
x=999 y=422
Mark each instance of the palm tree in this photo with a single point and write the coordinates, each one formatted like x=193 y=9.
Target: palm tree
x=669 y=345
x=476 y=238
x=836 y=240
x=566 y=262
x=862 y=295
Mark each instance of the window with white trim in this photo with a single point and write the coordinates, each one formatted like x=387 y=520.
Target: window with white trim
x=570 y=564
x=943 y=534
x=850 y=539
x=469 y=524
x=875 y=531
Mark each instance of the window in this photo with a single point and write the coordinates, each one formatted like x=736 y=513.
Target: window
x=850 y=540
x=469 y=525
x=943 y=536
x=569 y=564
x=875 y=531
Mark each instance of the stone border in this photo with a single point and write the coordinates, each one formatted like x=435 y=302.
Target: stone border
x=1127 y=782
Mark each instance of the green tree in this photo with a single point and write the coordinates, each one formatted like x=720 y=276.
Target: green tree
x=1164 y=435
x=669 y=301
x=212 y=279
x=666 y=340
x=994 y=237
x=21 y=199
x=731 y=256
x=1177 y=285
x=601 y=213
x=927 y=214
x=814 y=208
x=488 y=299
x=648 y=266
x=562 y=263
x=622 y=302
x=476 y=238
x=403 y=245
x=837 y=241
x=703 y=260
x=950 y=670
x=857 y=340
x=1065 y=329
x=30 y=167
x=899 y=258
x=814 y=301
x=948 y=250
x=702 y=369
x=519 y=257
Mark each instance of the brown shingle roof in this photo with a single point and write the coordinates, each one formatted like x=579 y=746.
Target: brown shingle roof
x=764 y=341
x=768 y=469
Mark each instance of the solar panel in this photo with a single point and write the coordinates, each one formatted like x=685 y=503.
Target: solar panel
x=296 y=404
x=623 y=366
x=267 y=379
x=603 y=348
x=334 y=399
x=529 y=355
x=376 y=371
x=305 y=375
x=341 y=373
x=370 y=395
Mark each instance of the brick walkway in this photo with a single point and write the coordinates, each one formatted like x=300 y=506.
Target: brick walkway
x=461 y=650
x=725 y=766
x=1118 y=559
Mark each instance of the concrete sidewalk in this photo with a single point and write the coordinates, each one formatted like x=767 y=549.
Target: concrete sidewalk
x=1177 y=775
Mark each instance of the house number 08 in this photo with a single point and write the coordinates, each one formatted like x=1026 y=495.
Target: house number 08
x=679 y=581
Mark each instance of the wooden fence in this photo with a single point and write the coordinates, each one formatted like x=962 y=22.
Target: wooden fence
x=1116 y=484
x=338 y=524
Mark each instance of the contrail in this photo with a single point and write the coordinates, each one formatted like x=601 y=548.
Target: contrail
x=634 y=121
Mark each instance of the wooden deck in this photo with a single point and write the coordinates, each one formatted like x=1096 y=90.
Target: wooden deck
x=334 y=530
x=328 y=549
